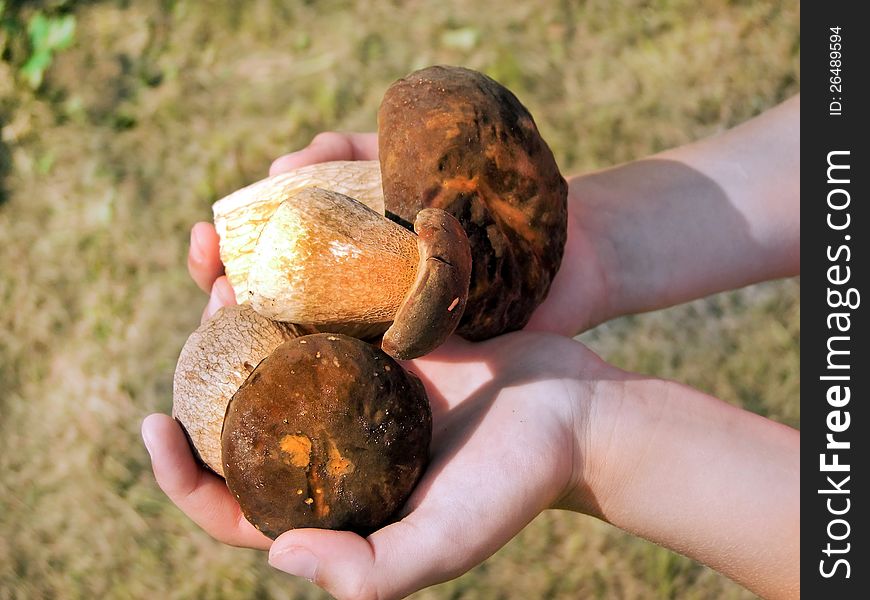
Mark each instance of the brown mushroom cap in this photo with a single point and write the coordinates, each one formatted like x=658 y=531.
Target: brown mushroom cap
x=214 y=362
x=455 y=139
x=327 y=432
x=434 y=305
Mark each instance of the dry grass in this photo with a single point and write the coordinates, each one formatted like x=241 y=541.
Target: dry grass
x=162 y=107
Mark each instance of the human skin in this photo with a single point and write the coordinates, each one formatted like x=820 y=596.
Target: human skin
x=534 y=420
x=714 y=215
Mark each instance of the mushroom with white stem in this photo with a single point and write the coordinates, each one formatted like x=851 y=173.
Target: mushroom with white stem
x=239 y=217
x=326 y=260
x=452 y=139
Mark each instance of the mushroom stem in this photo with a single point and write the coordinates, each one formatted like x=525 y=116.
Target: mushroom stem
x=241 y=216
x=324 y=259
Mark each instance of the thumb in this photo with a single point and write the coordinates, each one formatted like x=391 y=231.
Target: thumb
x=337 y=561
x=393 y=562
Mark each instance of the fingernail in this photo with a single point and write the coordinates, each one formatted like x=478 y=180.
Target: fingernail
x=195 y=251
x=283 y=163
x=147 y=441
x=295 y=560
x=214 y=302
x=224 y=291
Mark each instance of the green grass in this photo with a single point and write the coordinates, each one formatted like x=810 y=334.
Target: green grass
x=160 y=108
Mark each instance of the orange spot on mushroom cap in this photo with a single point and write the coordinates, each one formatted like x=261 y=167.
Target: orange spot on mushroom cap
x=461 y=184
x=444 y=123
x=337 y=465
x=298 y=449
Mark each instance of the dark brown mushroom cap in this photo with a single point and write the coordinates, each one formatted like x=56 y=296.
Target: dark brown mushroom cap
x=327 y=432
x=436 y=300
x=454 y=139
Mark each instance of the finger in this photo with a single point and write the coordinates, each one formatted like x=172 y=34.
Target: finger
x=202 y=496
x=222 y=294
x=327 y=146
x=203 y=258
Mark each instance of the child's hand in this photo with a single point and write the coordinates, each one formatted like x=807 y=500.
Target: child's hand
x=503 y=450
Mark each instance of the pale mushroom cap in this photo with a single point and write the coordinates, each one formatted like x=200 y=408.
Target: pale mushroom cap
x=214 y=362
x=240 y=217
x=324 y=258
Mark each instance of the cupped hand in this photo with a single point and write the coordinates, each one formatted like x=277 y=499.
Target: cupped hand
x=505 y=417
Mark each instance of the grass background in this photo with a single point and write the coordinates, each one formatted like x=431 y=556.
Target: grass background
x=161 y=107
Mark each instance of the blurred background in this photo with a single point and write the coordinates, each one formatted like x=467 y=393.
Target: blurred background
x=123 y=121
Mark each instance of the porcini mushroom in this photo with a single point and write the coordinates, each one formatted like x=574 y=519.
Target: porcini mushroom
x=328 y=432
x=453 y=139
x=319 y=430
x=240 y=217
x=325 y=260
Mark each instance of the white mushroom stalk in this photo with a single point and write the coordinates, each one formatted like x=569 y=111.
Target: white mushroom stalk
x=325 y=259
x=299 y=251
x=240 y=217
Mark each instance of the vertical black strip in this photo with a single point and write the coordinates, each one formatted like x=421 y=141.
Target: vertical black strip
x=835 y=367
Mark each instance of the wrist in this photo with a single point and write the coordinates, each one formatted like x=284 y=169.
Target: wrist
x=620 y=440
x=592 y=235
x=596 y=423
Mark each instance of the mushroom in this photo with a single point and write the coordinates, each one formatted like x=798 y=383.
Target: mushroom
x=324 y=430
x=318 y=430
x=452 y=139
x=329 y=432
x=323 y=259
x=240 y=217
